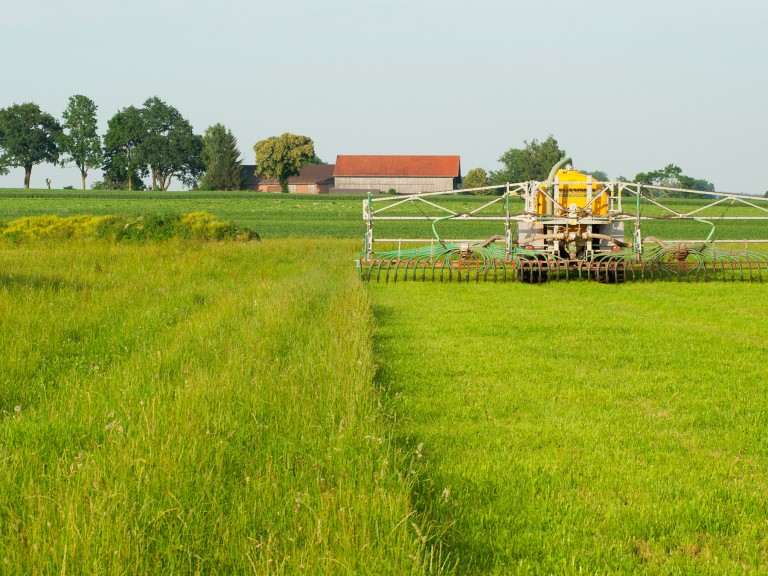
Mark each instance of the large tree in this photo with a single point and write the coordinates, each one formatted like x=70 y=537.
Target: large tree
x=532 y=162
x=223 y=167
x=281 y=157
x=27 y=137
x=170 y=147
x=476 y=178
x=80 y=141
x=122 y=167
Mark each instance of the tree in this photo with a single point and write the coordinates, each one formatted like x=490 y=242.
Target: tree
x=668 y=176
x=178 y=155
x=671 y=176
x=122 y=167
x=281 y=157
x=533 y=162
x=223 y=167
x=170 y=148
x=476 y=178
x=27 y=137
x=80 y=140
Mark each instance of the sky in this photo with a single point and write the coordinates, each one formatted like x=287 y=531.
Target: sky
x=625 y=86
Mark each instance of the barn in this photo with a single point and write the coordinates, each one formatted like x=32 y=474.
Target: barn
x=403 y=174
x=313 y=179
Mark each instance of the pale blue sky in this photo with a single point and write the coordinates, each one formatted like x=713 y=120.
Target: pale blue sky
x=624 y=86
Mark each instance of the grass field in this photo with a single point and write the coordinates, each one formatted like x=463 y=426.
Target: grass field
x=195 y=408
x=184 y=407
x=574 y=429
x=281 y=215
x=272 y=215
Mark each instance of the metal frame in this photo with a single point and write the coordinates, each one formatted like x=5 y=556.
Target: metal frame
x=527 y=191
x=604 y=256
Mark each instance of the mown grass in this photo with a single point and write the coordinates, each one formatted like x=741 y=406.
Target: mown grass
x=582 y=428
x=177 y=408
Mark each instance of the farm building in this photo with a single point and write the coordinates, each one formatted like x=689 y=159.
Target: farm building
x=403 y=174
x=313 y=179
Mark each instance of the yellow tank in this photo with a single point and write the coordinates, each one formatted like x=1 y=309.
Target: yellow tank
x=572 y=189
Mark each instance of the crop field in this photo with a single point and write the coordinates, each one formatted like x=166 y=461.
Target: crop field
x=272 y=215
x=279 y=215
x=185 y=407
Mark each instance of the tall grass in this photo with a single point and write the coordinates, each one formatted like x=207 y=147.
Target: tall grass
x=195 y=408
x=583 y=428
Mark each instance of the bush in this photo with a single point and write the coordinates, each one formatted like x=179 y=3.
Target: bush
x=192 y=226
x=35 y=227
x=204 y=226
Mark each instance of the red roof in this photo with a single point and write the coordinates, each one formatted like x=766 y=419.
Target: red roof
x=435 y=166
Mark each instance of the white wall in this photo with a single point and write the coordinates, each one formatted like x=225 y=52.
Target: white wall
x=401 y=185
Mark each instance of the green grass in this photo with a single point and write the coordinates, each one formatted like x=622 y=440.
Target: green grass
x=282 y=215
x=271 y=215
x=195 y=408
x=184 y=407
x=584 y=428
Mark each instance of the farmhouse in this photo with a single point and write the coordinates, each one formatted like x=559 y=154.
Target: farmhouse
x=313 y=179
x=403 y=174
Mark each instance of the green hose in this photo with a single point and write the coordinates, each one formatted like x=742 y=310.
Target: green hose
x=548 y=201
x=556 y=167
x=711 y=232
x=434 y=230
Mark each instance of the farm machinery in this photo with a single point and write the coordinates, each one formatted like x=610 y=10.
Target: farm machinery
x=568 y=227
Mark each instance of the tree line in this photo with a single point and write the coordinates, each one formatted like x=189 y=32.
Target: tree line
x=153 y=140
x=535 y=159
x=156 y=141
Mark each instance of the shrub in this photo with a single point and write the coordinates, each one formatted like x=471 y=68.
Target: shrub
x=203 y=225
x=193 y=226
x=31 y=228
